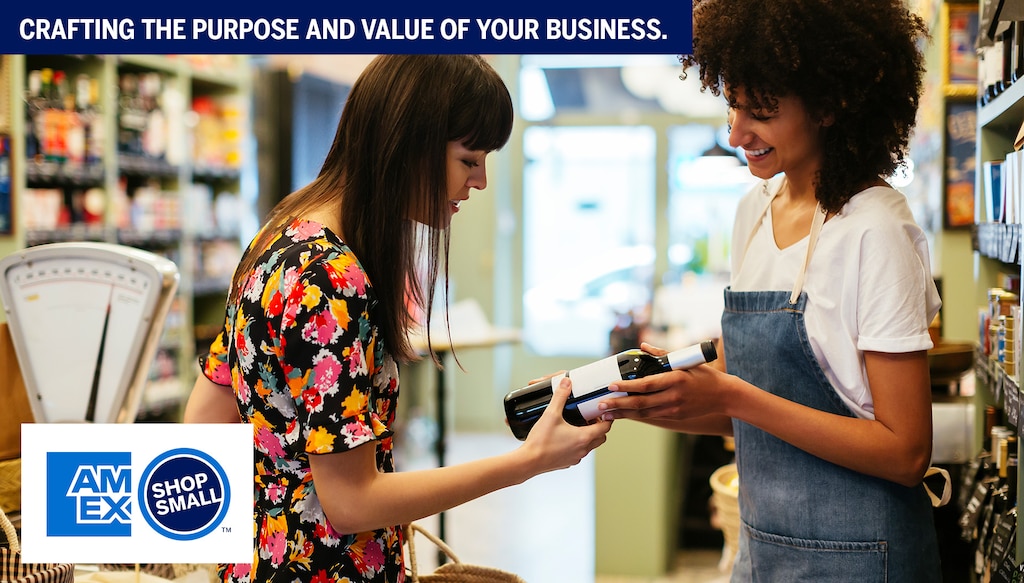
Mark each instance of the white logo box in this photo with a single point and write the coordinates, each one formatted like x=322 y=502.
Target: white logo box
x=137 y=493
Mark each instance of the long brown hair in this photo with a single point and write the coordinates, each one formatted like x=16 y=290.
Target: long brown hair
x=388 y=163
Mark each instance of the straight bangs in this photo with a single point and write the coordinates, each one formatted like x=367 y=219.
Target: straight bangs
x=481 y=116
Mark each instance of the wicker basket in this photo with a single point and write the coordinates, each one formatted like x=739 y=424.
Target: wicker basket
x=725 y=496
x=163 y=571
x=14 y=571
x=456 y=571
x=10 y=485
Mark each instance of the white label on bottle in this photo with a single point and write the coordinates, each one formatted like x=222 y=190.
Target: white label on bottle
x=594 y=376
x=556 y=379
x=589 y=409
x=686 y=357
x=587 y=379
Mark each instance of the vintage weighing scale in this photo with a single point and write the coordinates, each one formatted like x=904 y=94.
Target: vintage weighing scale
x=85 y=321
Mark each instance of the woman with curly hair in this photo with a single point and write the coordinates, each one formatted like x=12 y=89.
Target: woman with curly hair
x=825 y=385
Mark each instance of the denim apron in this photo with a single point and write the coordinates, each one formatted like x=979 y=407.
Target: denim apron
x=805 y=519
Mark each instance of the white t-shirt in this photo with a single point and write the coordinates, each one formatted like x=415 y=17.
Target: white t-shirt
x=869 y=285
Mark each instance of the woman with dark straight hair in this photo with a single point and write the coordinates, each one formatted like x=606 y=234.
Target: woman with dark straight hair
x=318 y=318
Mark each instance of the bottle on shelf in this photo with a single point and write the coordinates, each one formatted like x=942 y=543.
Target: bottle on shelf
x=33 y=112
x=207 y=142
x=979 y=476
x=63 y=112
x=524 y=406
x=989 y=512
x=1007 y=64
x=1018 y=51
x=993 y=72
x=78 y=122
x=131 y=118
x=95 y=136
x=154 y=133
x=47 y=116
x=1002 y=532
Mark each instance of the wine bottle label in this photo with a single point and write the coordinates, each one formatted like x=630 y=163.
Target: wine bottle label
x=971 y=474
x=1005 y=572
x=589 y=410
x=1001 y=538
x=589 y=379
x=969 y=519
x=593 y=377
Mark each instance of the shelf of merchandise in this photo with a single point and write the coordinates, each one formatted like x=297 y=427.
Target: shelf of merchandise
x=5 y=139
x=162 y=202
x=997 y=249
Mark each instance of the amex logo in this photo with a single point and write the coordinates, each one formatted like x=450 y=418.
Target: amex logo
x=89 y=494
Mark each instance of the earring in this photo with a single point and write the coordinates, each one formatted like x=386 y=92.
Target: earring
x=728 y=128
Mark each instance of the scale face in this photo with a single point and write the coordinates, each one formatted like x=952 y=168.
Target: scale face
x=85 y=320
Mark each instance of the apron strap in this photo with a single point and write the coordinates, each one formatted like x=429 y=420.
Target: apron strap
x=757 y=223
x=946 y=487
x=812 y=240
x=816 y=223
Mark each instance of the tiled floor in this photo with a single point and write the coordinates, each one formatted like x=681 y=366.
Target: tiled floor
x=535 y=530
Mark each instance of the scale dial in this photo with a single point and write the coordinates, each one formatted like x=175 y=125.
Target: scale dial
x=80 y=317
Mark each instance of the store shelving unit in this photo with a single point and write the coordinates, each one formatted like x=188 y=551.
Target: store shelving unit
x=166 y=176
x=997 y=249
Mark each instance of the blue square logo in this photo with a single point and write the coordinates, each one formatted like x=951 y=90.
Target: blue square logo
x=88 y=493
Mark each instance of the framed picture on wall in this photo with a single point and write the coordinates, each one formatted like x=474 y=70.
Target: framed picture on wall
x=960 y=141
x=959 y=52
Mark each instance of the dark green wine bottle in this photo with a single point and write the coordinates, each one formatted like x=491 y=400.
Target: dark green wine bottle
x=524 y=406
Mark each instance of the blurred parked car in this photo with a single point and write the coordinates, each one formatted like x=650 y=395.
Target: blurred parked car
x=574 y=313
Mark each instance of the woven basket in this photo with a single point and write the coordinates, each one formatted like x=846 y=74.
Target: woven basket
x=456 y=571
x=167 y=571
x=14 y=571
x=725 y=494
x=10 y=485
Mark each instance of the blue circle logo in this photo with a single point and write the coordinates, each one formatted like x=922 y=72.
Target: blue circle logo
x=184 y=494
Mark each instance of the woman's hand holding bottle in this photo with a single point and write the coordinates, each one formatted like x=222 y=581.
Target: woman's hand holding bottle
x=524 y=406
x=674 y=396
x=553 y=443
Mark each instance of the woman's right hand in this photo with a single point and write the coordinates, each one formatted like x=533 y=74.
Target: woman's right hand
x=553 y=443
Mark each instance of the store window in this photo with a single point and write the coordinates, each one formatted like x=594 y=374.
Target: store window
x=705 y=182
x=603 y=135
x=588 y=234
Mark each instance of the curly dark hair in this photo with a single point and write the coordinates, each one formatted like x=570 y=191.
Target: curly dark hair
x=859 y=62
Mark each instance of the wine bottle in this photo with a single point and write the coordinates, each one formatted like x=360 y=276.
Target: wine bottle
x=1007 y=65
x=524 y=406
x=154 y=133
x=77 y=136
x=47 y=118
x=33 y=114
x=59 y=114
x=995 y=538
x=1018 y=50
x=95 y=134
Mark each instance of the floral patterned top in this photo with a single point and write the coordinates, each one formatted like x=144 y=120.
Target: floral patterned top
x=309 y=372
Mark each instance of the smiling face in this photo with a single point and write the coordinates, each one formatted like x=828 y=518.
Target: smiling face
x=465 y=170
x=786 y=139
